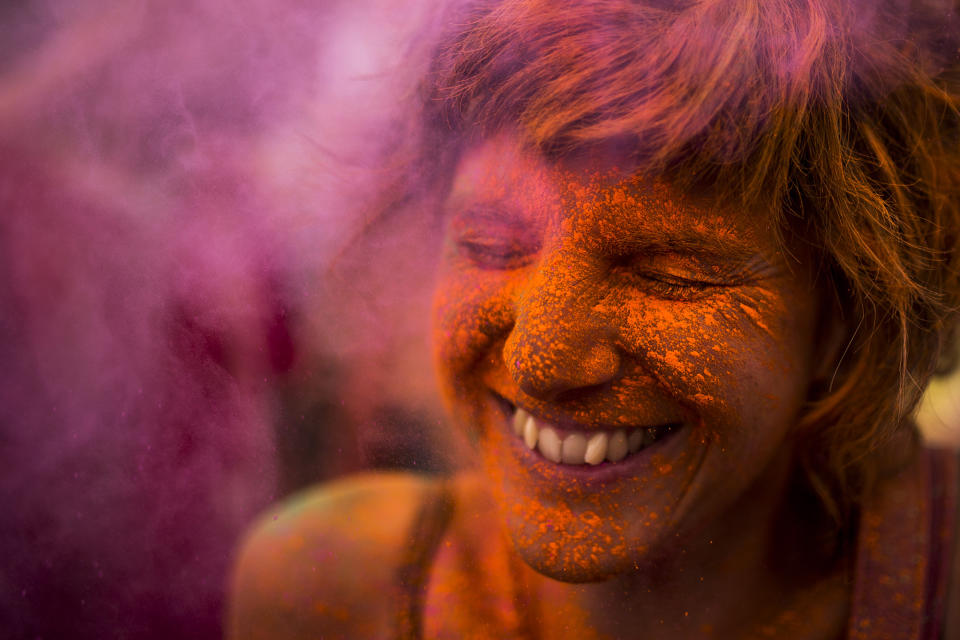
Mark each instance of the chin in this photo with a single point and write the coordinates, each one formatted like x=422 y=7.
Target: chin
x=572 y=563
x=579 y=542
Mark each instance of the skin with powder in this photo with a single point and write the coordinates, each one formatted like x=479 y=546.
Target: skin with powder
x=600 y=304
x=689 y=290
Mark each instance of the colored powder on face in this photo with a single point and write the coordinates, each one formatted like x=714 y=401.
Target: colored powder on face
x=595 y=321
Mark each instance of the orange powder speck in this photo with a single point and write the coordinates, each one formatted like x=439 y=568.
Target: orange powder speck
x=754 y=315
x=590 y=518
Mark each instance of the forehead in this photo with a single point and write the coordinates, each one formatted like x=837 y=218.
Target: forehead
x=597 y=193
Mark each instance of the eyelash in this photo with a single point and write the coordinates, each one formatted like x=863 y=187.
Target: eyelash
x=651 y=274
x=494 y=255
x=680 y=289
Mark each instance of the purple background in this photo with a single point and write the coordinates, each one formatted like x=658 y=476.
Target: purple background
x=187 y=331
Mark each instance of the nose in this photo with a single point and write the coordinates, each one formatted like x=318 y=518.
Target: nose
x=560 y=341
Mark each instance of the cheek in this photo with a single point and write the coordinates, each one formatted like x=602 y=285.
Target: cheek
x=733 y=359
x=471 y=316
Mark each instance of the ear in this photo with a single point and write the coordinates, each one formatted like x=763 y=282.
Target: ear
x=831 y=340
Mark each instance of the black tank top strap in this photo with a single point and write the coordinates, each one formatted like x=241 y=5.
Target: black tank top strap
x=413 y=572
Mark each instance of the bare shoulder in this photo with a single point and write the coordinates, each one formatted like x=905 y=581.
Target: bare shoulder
x=322 y=563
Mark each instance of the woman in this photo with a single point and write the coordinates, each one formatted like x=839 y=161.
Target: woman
x=700 y=263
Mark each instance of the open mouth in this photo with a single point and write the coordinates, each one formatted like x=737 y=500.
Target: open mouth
x=572 y=446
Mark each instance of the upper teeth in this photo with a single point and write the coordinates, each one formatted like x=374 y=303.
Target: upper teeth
x=586 y=447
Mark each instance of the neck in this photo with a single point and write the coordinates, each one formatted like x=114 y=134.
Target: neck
x=762 y=568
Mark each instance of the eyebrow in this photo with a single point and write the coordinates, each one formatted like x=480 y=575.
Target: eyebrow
x=692 y=242
x=495 y=210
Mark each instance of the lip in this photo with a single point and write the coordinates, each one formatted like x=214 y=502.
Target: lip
x=654 y=458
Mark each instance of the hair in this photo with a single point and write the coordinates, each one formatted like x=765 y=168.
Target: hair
x=840 y=119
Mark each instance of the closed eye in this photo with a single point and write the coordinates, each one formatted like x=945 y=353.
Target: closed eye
x=494 y=238
x=683 y=276
x=494 y=253
x=681 y=289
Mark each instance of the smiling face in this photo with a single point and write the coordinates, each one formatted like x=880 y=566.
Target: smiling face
x=654 y=353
